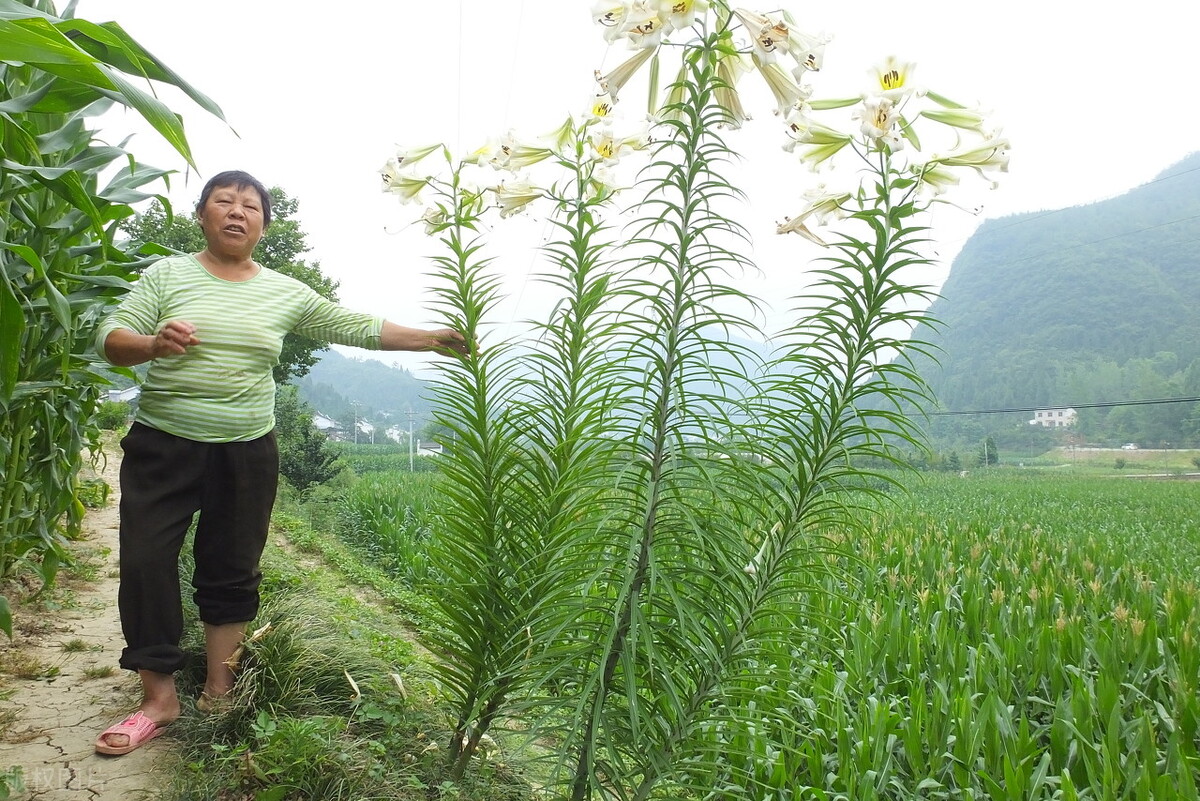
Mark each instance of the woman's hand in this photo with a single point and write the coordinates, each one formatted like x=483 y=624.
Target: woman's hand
x=173 y=339
x=447 y=340
x=437 y=340
x=126 y=348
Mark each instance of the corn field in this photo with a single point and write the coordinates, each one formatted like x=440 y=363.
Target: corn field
x=61 y=264
x=999 y=637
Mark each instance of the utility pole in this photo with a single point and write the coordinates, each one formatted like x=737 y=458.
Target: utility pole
x=410 y=440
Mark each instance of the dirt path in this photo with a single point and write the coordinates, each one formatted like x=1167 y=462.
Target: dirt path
x=60 y=685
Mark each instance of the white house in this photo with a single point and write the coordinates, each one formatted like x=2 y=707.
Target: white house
x=429 y=449
x=326 y=425
x=1054 y=418
x=124 y=395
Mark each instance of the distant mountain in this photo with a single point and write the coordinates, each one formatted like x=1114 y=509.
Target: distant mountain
x=1094 y=303
x=336 y=381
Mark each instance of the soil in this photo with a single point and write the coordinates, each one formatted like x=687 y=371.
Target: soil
x=60 y=685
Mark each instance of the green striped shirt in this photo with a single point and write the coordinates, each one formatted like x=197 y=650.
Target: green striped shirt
x=222 y=390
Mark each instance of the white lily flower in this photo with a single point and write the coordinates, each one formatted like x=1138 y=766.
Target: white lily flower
x=820 y=149
x=880 y=121
x=514 y=155
x=769 y=36
x=609 y=148
x=803 y=129
x=992 y=154
x=612 y=82
x=561 y=136
x=781 y=84
x=895 y=78
x=406 y=156
x=435 y=218
x=795 y=225
x=674 y=96
x=730 y=68
x=403 y=185
x=603 y=145
x=933 y=178
x=822 y=205
x=809 y=52
x=513 y=196
x=602 y=105
x=603 y=180
x=642 y=25
x=680 y=14
x=610 y=14
x=751 y=569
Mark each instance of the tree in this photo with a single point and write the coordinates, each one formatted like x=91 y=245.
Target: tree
x=988 y=456
x=280 y=249
x=305 y=457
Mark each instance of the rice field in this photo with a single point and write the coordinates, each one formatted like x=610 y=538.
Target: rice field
x=998 y=636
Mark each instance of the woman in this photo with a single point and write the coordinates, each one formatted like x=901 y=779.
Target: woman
x=211 y=325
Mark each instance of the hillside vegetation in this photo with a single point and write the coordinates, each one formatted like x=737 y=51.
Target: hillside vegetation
x=1089 y=304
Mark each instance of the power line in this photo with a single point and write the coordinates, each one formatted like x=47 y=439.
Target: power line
x=1106 y=405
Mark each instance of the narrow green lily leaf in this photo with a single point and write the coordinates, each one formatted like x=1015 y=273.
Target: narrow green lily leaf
x=909 y=133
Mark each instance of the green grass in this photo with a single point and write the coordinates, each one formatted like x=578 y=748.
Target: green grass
x=1103 y=462
x=318 y=712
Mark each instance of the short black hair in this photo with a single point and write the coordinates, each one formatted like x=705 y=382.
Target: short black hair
x=239 y=180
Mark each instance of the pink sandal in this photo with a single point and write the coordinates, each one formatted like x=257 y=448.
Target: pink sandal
x=137 y=727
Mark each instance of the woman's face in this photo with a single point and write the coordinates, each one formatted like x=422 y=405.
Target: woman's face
x=232 y=220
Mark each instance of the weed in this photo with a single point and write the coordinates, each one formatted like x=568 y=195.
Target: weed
x=77 y=646
x=24 y=665
x=7 y=718
x=11 y=781
x=99 y=672
x=93 y=493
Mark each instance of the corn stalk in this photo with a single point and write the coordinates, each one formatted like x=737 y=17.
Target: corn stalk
x=60 y=263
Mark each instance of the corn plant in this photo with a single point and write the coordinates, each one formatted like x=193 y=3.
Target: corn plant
x=60 y=263
x=639 y=508
x=388 y=517
x=1004 y=637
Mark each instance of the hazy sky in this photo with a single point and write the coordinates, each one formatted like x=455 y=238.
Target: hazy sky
x=1094 y=97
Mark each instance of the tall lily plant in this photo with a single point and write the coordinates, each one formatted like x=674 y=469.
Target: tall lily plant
x=60 y=262
x=640 y=506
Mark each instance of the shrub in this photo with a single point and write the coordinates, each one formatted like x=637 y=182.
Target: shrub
x=112 y=415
